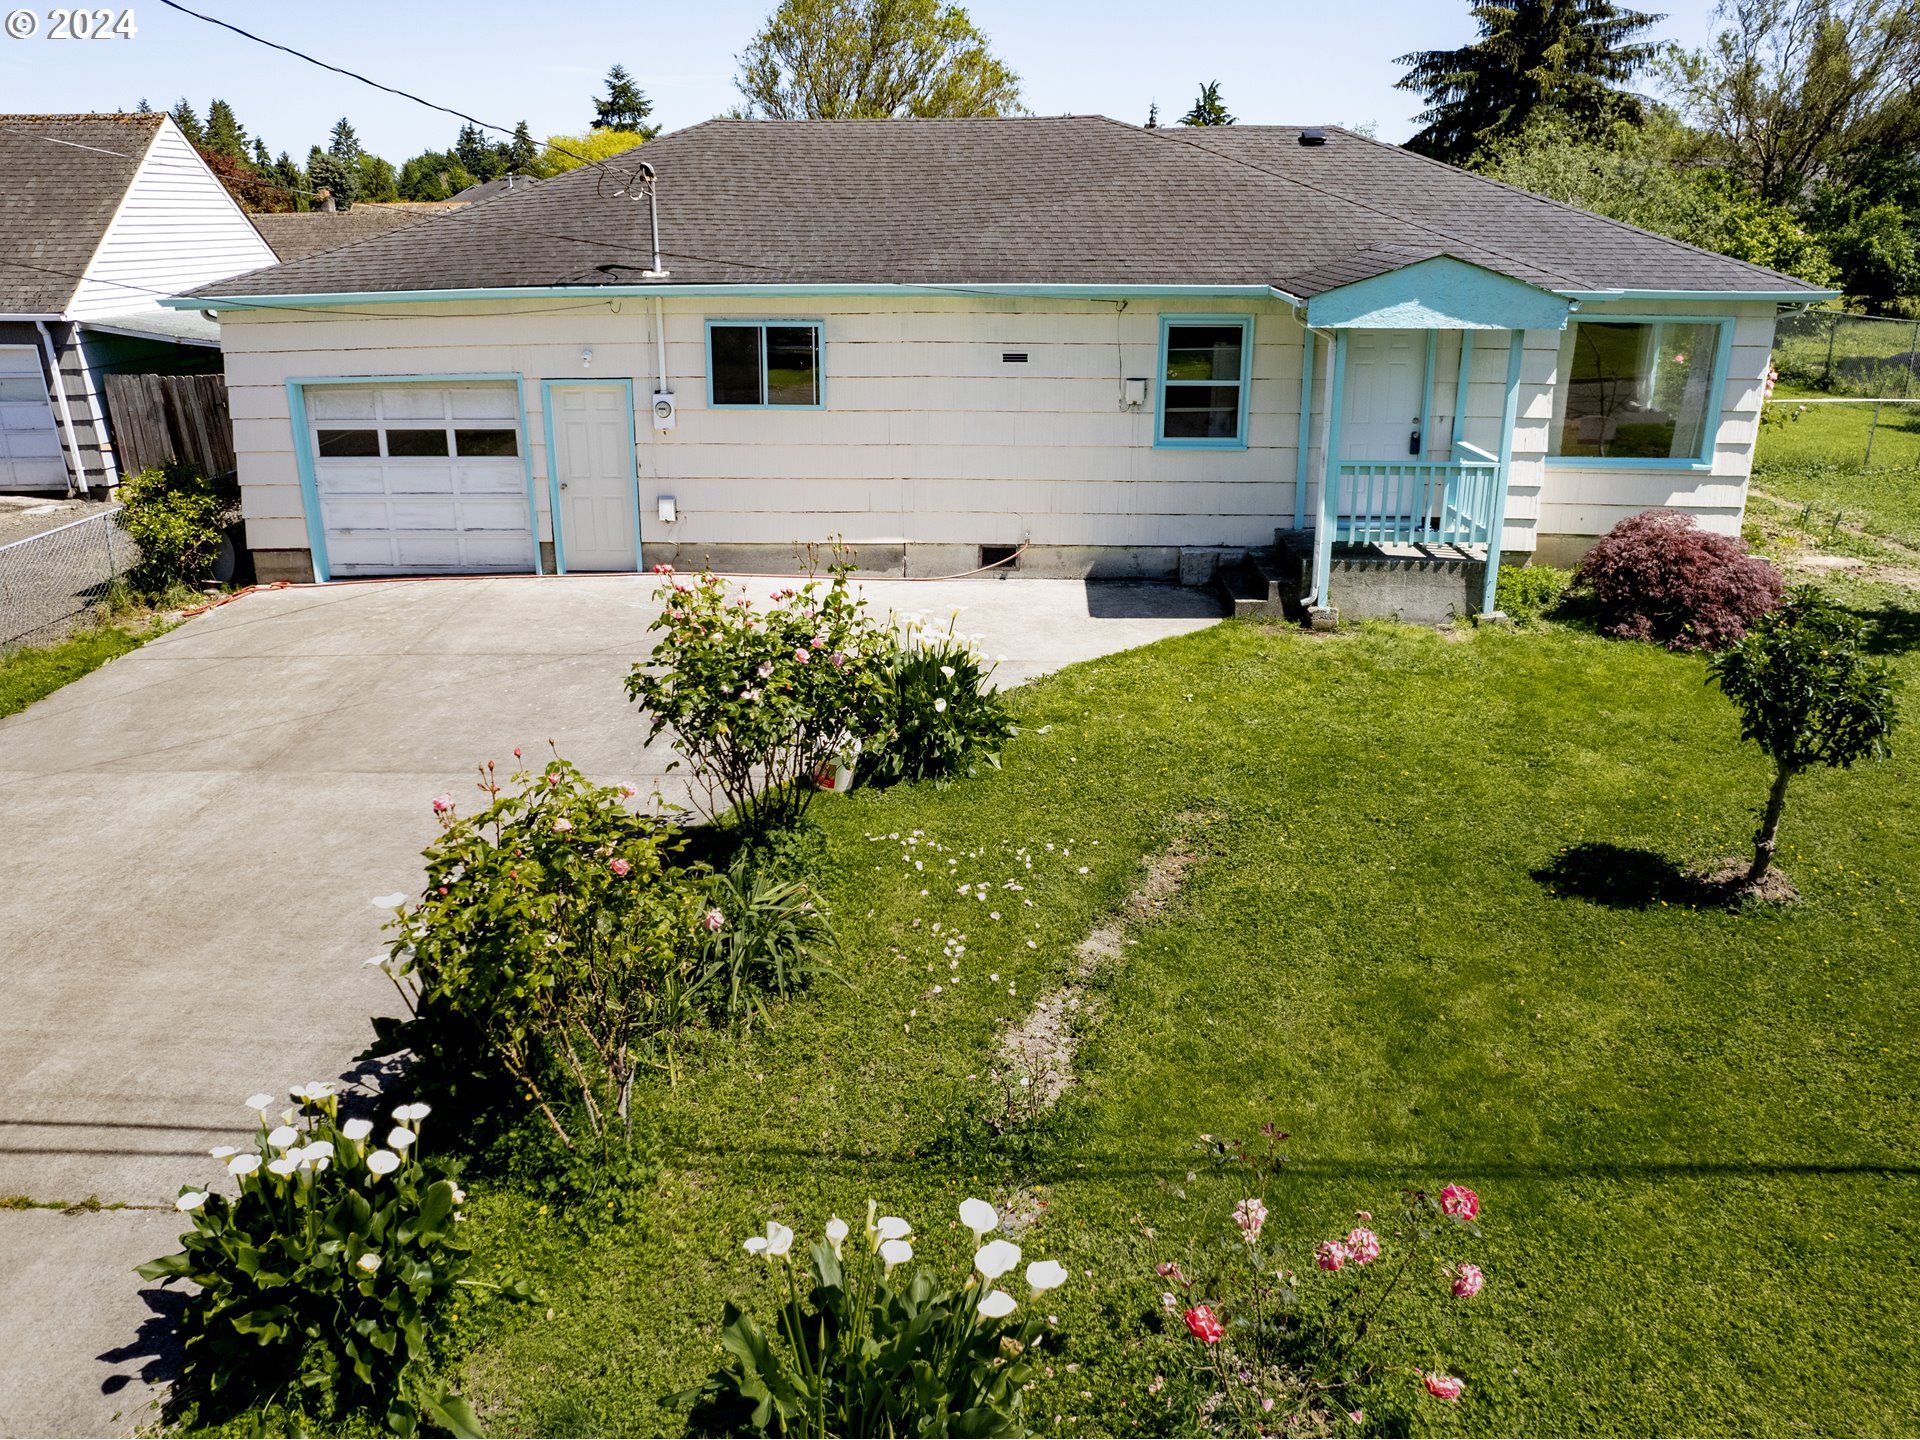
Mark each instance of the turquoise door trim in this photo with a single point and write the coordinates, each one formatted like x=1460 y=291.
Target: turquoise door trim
x=1309 y=342
x=1239 y=441
x=1496 y=530
x=547 y=387
x=303 y=449
x=1329 y=475
x=1702 y=458
x=1463 y=376
x=819 y=328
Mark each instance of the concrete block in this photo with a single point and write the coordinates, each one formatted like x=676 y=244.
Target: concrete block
x=1496 y=618
x=1200 y=563
x=1412 y=591
x=1322 y=617
x=272 y=566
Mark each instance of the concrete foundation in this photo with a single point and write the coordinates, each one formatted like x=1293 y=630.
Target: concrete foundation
x=271 y=567
x=1564 y=551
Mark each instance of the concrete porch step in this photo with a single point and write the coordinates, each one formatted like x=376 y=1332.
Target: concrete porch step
x=1415 y=584
x=1264 y=582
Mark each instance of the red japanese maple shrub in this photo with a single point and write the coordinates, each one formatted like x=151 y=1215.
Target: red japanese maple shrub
x=1659 y=576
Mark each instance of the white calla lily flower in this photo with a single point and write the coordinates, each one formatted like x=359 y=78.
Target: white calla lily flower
x=755 y=1245
x=281 y=1136
x=261 y=1102
x=996 y=1305
x=996 y=1258
x=895 y=1252
x=892 y=1227
x=837 y=1232
x=399 y=1138
x=192 y=1200
x=357 y=1129
x=779 y=1239
x=224 y=1152
x=318 y=1150
x=243 y=1164
x=368 y=1262
x=419 y=1110
x=1045 y=1275
x=383 y=1162
x=283 y=1165
x=979 y=1217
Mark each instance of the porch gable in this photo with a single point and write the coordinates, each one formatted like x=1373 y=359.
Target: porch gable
x=1438 y=293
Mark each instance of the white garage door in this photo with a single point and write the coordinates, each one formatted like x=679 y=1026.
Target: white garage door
x=30 y=457
x=421 y=479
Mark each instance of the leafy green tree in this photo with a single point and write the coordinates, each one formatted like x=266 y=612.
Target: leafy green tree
x=570 y=152
x=522 y=154
x=624 y=107
x=189 y=123
x=1807 y=695
x=1792 y=92
x=433 y=175
x=1209 y=109
x=1645 y=176
x=872 y=59
x=377 y=182
x=1570 y=57
x=224 y=134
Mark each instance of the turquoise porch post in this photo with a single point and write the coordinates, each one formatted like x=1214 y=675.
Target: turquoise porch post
x=1329 y=476
x=1509 y=413
x=1307 y=346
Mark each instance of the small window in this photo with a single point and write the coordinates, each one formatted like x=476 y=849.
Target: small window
x=1203 y=376
x=420 y=443
x=483 y=444
x=764 y=364
x=349 y=444
x=1635 y=390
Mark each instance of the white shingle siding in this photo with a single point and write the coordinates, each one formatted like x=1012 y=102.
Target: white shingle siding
x=176 y=228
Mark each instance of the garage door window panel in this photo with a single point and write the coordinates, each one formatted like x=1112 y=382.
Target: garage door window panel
x=349 y=444
x=417 y=444
x=486 y=443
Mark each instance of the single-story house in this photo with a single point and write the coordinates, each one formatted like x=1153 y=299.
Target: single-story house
x=1096 y=345
x=101 y=217
x=296 y=234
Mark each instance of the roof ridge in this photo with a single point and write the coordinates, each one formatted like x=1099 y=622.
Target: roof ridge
x=129 y=117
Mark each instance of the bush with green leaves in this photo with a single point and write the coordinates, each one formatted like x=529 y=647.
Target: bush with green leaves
x=940 y=714
x=766 y=935
x=176 y=516
x=1808 y=695
x=1526 y=593
x=762 y=700
x=318 y=1283
x=558 y=931
x=855 y=1351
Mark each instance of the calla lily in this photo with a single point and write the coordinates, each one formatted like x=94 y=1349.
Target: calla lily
x=996 y=1305
x=996 y=1258
x=1045 y=1275
x=357 y=1129
x=892 y=1227
x=400 y=1138
x=368 y=1262
x=243 y=1164
x=779 y=1238
x=281 y=1136
x=419 y=1110
x=837 y=1232
x=979 y=1217
x=283 y=1165
x=224 y=1152
x=383 y=1162
x=895 y=1252
x=192 y=1200
x=259 y=1102
x=318 y=1150
x=755 y=1245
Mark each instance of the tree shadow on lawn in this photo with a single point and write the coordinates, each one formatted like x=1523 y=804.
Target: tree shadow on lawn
x=1892 y=629
x=1620 y=877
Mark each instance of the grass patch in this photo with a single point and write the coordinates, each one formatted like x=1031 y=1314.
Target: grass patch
x=1694 y=1130
x=35 y=672
x=1815 y=459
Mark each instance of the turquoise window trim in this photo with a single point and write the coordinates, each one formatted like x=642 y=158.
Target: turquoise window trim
x=547 y=387
x=303 y=449
x=742 y=322
x=1702 y=459
x=1245 y=384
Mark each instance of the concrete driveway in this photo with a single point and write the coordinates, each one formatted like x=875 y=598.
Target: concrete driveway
x=192 y=838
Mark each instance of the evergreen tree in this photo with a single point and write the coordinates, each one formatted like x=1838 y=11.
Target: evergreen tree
x=224 y=134
x=262 y=160
x=625 y=107
x=522 y=153
x=433 y=175
x=1209 y=109
x=478 y=156
x=287 y=174
x=143 y=108
x=343 y=145
x=327 y=171
x=1569 y=58
x=1153 y=116
x=377 y=182
x=189 y=123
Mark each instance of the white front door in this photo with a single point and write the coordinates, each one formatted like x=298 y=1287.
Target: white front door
x=1380 y=415
x=593 y=470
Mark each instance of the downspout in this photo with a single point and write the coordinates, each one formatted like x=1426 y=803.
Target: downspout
x=60 y=398
x=660 y=339
x=109 y=469
x=1497 y=528
x=1329 y=476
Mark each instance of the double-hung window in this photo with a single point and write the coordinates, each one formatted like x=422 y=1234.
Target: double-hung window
x=1205 y=364
x=1640 y=390
x=763 y=363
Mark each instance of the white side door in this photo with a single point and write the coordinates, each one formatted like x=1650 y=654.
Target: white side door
x=30 y=455
x=593 y=470
x=1380 y=410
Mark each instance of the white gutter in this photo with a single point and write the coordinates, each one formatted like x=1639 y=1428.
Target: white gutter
x=60 y=397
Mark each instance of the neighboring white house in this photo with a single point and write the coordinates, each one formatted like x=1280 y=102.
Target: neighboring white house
x=945 y=339
x=101 y=217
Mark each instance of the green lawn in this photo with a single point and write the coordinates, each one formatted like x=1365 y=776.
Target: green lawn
x=1693 y=1131
x=1816 y=455
x=31 y=674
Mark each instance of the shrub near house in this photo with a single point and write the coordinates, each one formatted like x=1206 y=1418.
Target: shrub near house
x=1658 y=576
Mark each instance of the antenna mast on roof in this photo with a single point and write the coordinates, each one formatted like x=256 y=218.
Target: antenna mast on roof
x=650 y=187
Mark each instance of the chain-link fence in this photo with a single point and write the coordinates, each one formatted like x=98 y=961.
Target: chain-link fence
x=1866 y=355
x=56 y=581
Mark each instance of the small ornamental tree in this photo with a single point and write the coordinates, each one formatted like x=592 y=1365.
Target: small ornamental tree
x=1658 y=576
x=1807 y=696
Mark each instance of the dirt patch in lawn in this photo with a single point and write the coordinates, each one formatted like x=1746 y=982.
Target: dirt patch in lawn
x=1725 y=882
x=1040 y=1048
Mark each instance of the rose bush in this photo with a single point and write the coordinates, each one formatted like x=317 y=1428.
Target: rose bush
x=856 y=1352
x=325 y=1272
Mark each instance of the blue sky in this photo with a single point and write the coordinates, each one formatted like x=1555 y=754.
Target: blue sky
x=1283 y=61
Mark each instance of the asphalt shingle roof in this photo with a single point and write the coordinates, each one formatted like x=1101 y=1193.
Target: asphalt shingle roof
x=62 y=177
x=294 y=235
x=1068 y=200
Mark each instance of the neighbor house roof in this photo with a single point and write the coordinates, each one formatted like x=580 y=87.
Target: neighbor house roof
x=295 y=235
x=62 y=178
x=1075 y=200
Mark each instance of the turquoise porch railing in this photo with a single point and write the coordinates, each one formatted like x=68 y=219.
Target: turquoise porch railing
x=1420 y=502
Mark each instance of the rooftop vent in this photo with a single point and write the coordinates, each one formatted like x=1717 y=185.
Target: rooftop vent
x=1313 y=135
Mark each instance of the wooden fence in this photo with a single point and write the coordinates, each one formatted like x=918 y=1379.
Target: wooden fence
x=157 y=418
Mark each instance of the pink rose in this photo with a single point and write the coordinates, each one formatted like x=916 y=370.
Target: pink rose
x=801 y=656
x=1205 y=1325
x=1363 y=1246
x=562 y=825
x=1250 y=1215
x=1330 y=1255
x=663 y=569
x=712 y=921
x=766 y=669
x=820 y=642
x=619 y=866
x=1459 y=1202
x=1467 y=1281
x=1443 y=1387
x=442 y=804
x=839 y=660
